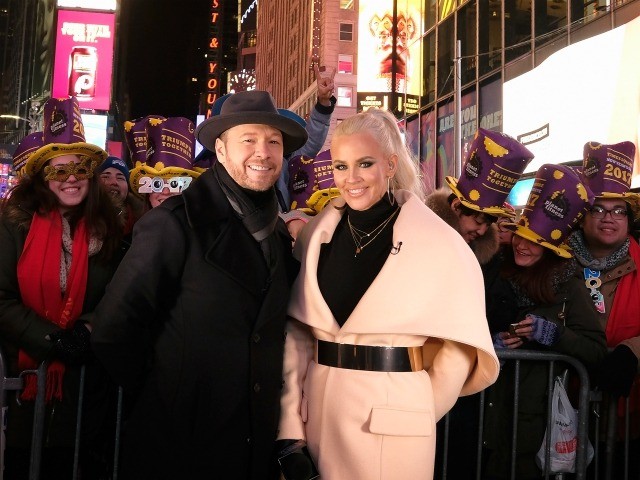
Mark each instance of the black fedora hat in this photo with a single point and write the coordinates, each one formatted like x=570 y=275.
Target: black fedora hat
x=251 y=107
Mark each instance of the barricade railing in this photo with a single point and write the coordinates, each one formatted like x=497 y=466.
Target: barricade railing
x=16 y=384
x=555 y=364
x=518 y=356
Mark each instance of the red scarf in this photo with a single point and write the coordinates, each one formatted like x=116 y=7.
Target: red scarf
x=624 y=323
x=624 y=319
x=39 y=282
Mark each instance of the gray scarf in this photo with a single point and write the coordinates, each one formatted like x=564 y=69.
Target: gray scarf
x=585 y=259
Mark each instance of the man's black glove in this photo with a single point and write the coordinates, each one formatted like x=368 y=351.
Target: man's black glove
x=72 y=345
x=617 y=371
x=295 y=461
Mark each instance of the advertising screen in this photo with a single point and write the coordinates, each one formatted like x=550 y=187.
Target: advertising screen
x=92 y=4
x=377 y=59
x=84 y=58
x=586 y=92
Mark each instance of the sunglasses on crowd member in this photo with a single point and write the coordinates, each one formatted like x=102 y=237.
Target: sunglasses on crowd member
x=618 y=213
x=158 y=184
x=61 y=173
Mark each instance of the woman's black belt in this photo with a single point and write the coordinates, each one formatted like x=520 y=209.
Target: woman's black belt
x=369 y=357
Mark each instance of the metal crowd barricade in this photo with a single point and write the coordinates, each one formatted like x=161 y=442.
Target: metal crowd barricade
x=551 y=359
x=16 y=384
x=585 y=396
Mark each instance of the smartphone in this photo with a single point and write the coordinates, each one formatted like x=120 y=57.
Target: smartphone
x=512 y=329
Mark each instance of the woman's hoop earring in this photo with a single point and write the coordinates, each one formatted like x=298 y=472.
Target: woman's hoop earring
x=391 y=192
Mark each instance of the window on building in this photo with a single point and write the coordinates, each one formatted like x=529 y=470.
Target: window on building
x=345 y=97
x=467 y=36
x=550 y=20
x=446 y=7
x=346 y=4
x=346 y=32
x=445 y=57
x=429 y=14
x=517 y=30
x=345 y=64
x=489 y=39
x=429 y=70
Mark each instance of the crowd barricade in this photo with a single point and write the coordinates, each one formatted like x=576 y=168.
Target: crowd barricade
x=589 y=403
x=16 y=384
x=556 y=366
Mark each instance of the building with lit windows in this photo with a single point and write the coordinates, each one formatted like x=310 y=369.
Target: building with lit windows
x=400 y=55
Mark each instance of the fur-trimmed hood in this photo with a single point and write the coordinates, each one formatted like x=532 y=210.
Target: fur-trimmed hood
x=484 y=247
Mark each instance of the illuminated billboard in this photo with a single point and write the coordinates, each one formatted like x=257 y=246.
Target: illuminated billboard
x=84 y=58
x=92 y=4
x=588 y=91
x=379 y=64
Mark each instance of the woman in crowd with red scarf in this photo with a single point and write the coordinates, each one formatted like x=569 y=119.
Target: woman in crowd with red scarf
x=59 y=246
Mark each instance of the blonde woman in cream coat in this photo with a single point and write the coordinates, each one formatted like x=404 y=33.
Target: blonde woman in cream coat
x=365 y=384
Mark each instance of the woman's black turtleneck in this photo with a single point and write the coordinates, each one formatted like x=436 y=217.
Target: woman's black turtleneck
x=343 y=276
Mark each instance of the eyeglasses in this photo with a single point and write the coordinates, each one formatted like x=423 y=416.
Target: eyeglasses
x=618 y=213
x=158 y=184
x=61 y=173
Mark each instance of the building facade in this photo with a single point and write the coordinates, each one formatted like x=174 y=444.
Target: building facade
x=401 y=54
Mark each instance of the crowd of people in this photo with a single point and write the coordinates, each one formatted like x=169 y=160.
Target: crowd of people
x=273 y=310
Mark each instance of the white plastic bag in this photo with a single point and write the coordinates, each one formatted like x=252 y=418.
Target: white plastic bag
x=564 y=435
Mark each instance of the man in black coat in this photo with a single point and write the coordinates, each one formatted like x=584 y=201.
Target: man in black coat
x=192 y=324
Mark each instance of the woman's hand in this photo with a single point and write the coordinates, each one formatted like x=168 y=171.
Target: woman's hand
x=523 y=328
x=506 y=340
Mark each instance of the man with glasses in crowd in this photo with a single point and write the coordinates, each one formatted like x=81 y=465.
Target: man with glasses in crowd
x=607 y=259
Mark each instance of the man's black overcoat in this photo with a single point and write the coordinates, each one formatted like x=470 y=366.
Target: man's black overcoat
x=193 y=325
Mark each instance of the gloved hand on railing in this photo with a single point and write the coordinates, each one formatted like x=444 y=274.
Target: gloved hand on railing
x=295 y=461
x=72 y=345
x=544 y=331
x=617 y=371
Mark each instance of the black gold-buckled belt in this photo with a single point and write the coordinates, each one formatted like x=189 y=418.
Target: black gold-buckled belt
x=369 y=357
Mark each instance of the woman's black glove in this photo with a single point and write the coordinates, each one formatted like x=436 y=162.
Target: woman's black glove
x=617 y=371
x=72 y=345
x=295 y=461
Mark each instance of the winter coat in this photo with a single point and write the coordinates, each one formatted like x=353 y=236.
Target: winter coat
x=610 y=279
x=193 y=323
x=580 y=336
x=22 y=328
x=317 y=129
x=484 y=247
x=362 y=425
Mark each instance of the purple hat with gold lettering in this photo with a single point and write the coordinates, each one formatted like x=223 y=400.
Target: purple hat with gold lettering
x=170 y=144
x=27 y=146
x=135 y=135
x=494 y=165
x=63 y=134
x=607 y=171
x=311 y=182
x=557 y=202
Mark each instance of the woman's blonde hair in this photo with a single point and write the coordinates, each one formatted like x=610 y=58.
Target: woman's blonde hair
x=383 y=127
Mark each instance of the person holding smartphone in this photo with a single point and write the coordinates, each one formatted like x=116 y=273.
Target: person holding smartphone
x=554 y=314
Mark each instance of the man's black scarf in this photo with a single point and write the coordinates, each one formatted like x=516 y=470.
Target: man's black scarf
x=257 y=210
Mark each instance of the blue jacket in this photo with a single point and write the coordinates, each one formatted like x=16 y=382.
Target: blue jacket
x=317 y=130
